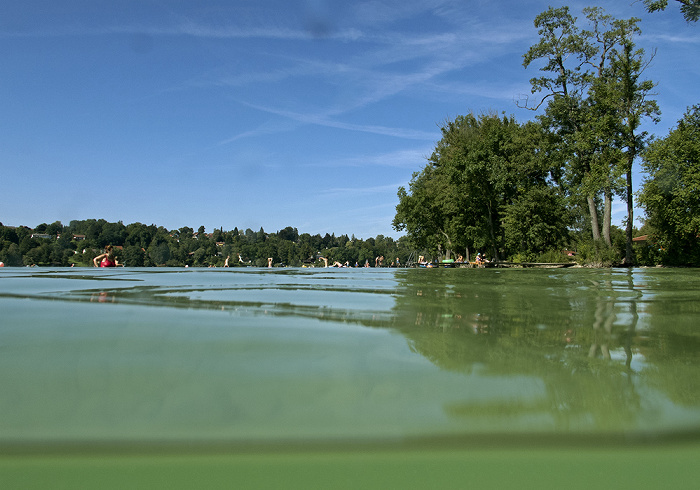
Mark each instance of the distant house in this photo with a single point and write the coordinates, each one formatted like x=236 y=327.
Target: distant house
x=641 y=239
x=78 y=237
x=41 y=235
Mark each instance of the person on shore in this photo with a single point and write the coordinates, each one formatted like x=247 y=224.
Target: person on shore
x=106 y=259
x=481 y=260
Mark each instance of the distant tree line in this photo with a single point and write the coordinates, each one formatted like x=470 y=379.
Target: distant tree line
x=138 y=245
x=525 y=192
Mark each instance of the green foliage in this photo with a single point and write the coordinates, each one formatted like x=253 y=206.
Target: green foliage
x=140 y=245
x=427 y=213
x=648 y=253
x=560 y=43
x=159 y=253
x=597 y=254
x=553 y=256
x=656 y=5
x=536 y=220
x=11 y=255
x=670 y=195
x=521 y=257
x=689 y=8
x=134 y=256
x=486 y=188
x=595 y=102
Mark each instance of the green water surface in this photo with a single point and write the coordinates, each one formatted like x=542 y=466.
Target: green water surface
x=317 y=363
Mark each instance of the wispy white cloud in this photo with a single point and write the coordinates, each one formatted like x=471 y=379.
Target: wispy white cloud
x=403 y=158
x=390 y=62
x=366 y=81
x=321 y=119
x=406 y=133
x=267 y=128
x=186 y=28
x=497 y=91
x=199 y=30
x=381 y=70
x=672 y=39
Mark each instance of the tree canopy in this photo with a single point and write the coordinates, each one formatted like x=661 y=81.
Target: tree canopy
x=521 y=190
x=689 y=8
x=670 y=194
x=482 y=182
x=595 y=102
x=138 y=245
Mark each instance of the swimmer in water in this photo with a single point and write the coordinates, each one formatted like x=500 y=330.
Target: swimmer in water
x=106 y=259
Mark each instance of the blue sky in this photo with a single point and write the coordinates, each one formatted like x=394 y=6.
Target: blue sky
x=263 y=113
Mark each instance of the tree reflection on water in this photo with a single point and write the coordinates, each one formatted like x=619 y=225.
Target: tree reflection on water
x=610 y=346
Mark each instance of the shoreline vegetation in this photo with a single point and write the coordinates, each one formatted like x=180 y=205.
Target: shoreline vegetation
x=140 y=245
x=522 y=192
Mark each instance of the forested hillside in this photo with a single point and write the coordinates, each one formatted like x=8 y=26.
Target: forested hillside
x=137 y=245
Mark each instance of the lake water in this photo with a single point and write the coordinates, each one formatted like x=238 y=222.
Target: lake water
x=311 y=359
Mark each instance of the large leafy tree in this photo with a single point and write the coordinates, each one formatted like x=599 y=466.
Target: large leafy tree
x=564 y=52
x=627 y=97
x=484 y=169
x=475 y=153
x=670 y=195
x=609 y=37
x=577 y=85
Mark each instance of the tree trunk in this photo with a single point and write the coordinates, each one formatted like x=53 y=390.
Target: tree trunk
x=449 y=244
x=493 y=236
x=594 y=218
x=629 y=255
x=607 y=217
